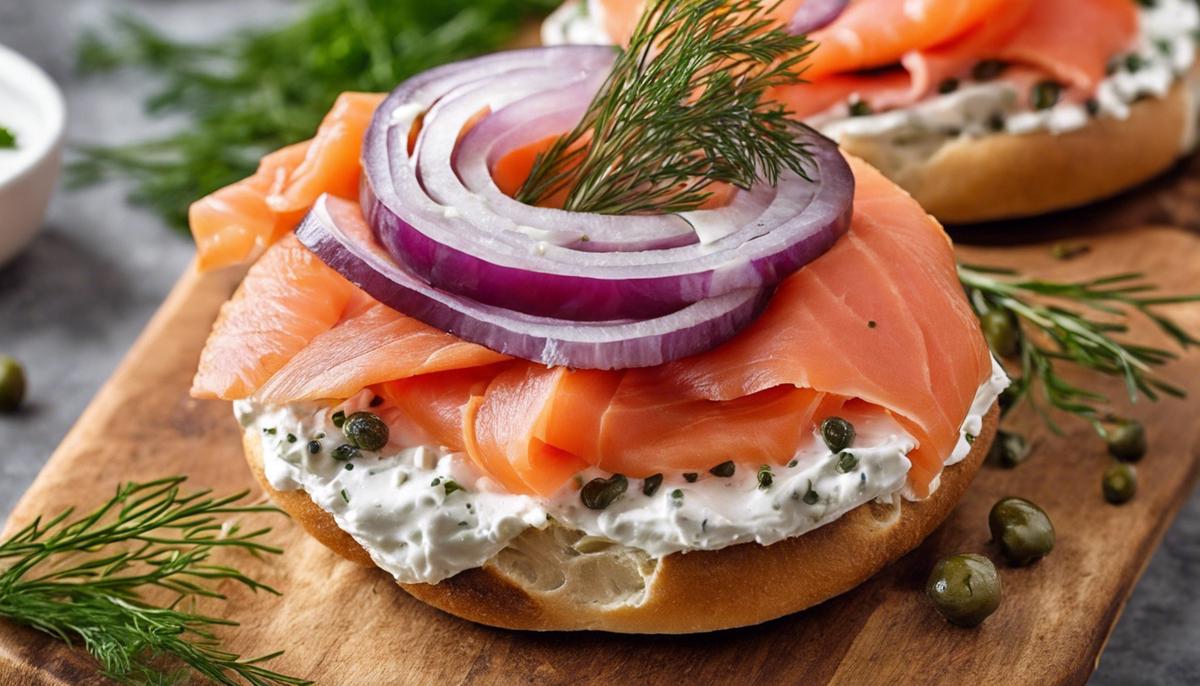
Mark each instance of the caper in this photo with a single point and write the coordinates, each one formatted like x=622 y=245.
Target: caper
x=1008 y=449
x=964 y=588
x=847 y=462
x=1127 y=441
x=860 y=108
x=366 y=430
x=837 y=433
x=947 y=86
x=986 y=70
x=598 y=493
x=344 y=452
x=724 y=470
x=651 y=483
x=1001 y=332
x=1022 y=530
x=690 y=477
x=1045 y=94
x=1119 y=483
x=12 y=384
x=338 y=418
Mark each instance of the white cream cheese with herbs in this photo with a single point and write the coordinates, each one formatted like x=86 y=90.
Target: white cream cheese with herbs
x=1165 y=52
x=425 y=513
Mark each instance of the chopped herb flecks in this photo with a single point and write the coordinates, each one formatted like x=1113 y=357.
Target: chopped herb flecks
x=765 y=477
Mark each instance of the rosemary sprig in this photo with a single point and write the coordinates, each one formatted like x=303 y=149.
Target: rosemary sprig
x=260 y=90
x=681 y=110
x=83 y=579
x=1046 y=332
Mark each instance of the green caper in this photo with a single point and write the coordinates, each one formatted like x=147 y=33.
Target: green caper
x=947 y=86
x=964 y=588
x=598 y=493
x=1008 y=449
x=986 y=70
x=651 y=483
x=690 y=477
x=1119 y=483
x=344 y=452
x=847 y=462
x=837 y=433
x=1045 y=94
x=338 y=418
x=1001 y=332
x=12 y=384
x=860 y=108
x=366 y=430
x=724 y=470
x=1127 y=441
x=1022 y=530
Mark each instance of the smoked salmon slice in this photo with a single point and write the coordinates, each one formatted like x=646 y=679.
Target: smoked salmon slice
x=880 y=320
x=237 y=223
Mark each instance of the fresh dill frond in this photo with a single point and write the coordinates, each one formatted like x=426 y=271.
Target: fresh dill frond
x=8 y=139
x=682 y=109
x=1047 y=330
x=260 y=90
x=83 y=580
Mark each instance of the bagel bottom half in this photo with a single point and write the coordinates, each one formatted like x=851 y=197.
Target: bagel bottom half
x=546 y=581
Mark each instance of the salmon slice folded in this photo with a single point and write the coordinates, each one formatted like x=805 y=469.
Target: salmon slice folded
x=880 y=320
x=237 y=223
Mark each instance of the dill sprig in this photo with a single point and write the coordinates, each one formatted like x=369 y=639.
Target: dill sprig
x=260 y=90
x=1045 y=332
x=82 y=580
x=682 y=109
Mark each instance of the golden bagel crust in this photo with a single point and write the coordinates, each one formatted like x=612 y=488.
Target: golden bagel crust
x=699 y=591
x=1003 y=176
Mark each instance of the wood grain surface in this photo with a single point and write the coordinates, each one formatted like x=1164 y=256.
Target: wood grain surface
x=341 y=624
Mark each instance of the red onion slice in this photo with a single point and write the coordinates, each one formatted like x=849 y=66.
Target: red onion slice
x=816 y=14
x=335 y=231
x=471 y=249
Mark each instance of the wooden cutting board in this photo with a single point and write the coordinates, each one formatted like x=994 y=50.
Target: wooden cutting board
x=341 y=624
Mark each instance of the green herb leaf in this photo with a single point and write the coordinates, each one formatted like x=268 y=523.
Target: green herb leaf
x=8 y=139
x=80 y=579
x=1048 y=333
x=683 y=108
x=263 y=89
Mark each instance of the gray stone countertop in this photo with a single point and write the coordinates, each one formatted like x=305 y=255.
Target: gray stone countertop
x=73 y=303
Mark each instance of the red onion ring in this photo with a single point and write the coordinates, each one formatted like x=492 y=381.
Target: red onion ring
x=335 y=231
x=473 y=250
x=816 y=14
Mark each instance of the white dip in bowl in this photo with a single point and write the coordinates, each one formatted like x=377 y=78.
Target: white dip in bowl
x=31 y=107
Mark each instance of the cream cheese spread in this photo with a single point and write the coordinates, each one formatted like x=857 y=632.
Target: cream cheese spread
x=425 y=513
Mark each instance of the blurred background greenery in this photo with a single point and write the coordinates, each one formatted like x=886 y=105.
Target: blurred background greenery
x=261 y=89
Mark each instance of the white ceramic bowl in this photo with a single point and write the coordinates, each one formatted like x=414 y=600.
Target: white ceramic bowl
x=32 y=107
